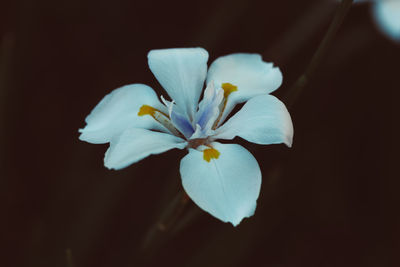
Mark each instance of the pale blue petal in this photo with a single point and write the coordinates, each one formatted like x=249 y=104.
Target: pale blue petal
x=181 y=71
x=199 y=133
x=178 y=119
x=135 y=144
x=387 y=16
x=181 y=122
x=248 y=72
x=118 y=111
x=263 y=120
x=226 y=187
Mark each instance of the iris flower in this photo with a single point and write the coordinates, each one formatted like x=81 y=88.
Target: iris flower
x=222 y=179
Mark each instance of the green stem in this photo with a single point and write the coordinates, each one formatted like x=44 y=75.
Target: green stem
x=302 y=81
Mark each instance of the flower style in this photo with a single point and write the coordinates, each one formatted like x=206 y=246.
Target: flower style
x=222 y=179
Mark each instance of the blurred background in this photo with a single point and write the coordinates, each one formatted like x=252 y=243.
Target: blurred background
x=331 y=200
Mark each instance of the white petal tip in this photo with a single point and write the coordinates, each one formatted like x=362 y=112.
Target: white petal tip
x=289 y=143
x=236 y=222
x=88 y=137
x=174 y=50
x=112 y=169
x=109 y=165
x=83 y=136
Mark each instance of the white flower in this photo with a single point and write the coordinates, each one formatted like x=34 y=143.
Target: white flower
x=223 y=179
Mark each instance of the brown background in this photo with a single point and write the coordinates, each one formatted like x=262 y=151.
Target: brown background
x=331 y=200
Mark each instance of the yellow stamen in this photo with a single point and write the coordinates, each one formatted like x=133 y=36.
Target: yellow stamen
x=147 y=110
x=210 y=153
x=228 y=89
x=159 y=116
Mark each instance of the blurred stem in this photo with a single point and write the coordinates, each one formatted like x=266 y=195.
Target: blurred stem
x=303 y=80
x=165 y=222
x=191 y=215
x=68 y=254
x=303 y=28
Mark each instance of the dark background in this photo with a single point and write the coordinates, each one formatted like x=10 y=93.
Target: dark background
x=331 y=200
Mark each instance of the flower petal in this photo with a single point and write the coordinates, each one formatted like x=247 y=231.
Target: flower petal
x=227 y=186
x=387 y=16
x=118 y=111
x=135 y=144
x=248 y=72
x=181 y=71
x=181 y=122
x=263 y=120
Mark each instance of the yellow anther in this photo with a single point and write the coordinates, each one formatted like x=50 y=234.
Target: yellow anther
x=210 y=153
x=147 y=110
x=159 y=116
x=228 y=89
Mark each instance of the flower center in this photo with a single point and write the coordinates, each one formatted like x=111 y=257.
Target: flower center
x=208 y=153
x=195 y=143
